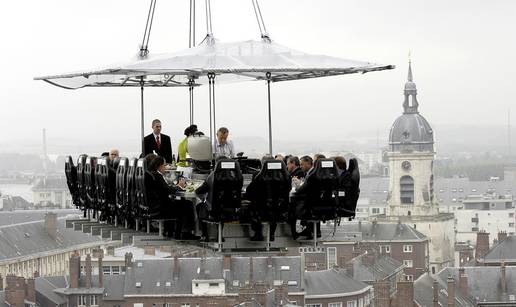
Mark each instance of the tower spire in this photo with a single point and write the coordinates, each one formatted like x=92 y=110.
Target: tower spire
x=410 y=103
x=409 y=78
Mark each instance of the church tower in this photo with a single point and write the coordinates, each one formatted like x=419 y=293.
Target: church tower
x=411 y=184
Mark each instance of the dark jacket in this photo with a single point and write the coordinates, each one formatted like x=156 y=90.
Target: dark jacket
x=298 y=172
x=158 y=194
x=165 y=149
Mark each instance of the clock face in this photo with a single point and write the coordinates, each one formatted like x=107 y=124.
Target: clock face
x=406 y=165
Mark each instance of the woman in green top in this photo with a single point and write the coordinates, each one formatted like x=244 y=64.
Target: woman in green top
x=181 y=150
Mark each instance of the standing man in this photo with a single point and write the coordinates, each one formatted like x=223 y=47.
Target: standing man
x=158 y=143
x=223 y=146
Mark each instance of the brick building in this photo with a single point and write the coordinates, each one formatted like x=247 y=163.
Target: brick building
x=398 y=241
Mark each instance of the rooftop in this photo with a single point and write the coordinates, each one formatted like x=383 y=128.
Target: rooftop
x=502 y=251
x=332 y=281
x=381 y=268
x=31 y=238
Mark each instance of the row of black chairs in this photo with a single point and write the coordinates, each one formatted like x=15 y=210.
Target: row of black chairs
x=116 y=191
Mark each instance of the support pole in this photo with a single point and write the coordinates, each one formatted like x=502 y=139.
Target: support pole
x=209 y=100
x=268 y=75
x=190 y=90
x=213 y=125
x=141 y=111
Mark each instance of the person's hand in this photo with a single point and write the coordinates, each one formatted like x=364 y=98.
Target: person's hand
x=181 y=183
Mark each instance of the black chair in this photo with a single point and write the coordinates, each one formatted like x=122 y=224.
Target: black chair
x=81 y=184
x=141 y=177
x=89 y=184
x=269 y=195
x=71 y=180
x=122 y=209
x=130 y=193
x=322 y=191
x=110 y=182
x=101 y=186
x=349 y=190
x=224 y=194
x=226 y=191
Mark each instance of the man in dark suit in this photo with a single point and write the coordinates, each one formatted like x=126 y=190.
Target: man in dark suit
x=158 y=143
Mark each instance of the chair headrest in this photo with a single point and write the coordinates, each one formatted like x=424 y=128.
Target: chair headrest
x=325 y=167
x=273 y=168
x=142 y=162
x=199 y=148
x=122 y=161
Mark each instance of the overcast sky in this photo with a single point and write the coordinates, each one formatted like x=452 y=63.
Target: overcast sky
x=463 y=55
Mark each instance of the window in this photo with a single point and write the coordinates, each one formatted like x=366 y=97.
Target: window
x=166 y=304
x=81 y=300
x=331 y=257
x=409 y=277
x=313 y=305
x=213 y=284
x=407 y=263
x=385 y=249
x=93 y=300
x=106 y=269
x=406 y=190
x=185 y=305
x=352 y=304
x=360 y=302
x=407 y=248
x=339 y=304
x=115 y=270
x=375 y=210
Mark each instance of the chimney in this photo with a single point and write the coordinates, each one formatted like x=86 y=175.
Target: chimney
x=302 y=271
x=101 y=271
x=382 y=294
x=51 y=224
x=281 y=294
x=227 y=262
x=405 y=293
x=482 y=244
x=349 y=266
x=128 y=260
x=451 y=291
x=503 y=278
x=176 y=268
x=502 y=235
x=463 y=282
x=435 y=296
x=30 y=290
x=75 y=270
x=15 y=291
x=251 y=270
x=88 y=271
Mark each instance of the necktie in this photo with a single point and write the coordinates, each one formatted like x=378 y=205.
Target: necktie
x=158 y=144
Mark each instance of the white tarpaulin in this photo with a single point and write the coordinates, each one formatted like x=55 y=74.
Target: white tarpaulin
x=231 y=62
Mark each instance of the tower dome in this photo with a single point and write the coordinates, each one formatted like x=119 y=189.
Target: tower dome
x=411 y=131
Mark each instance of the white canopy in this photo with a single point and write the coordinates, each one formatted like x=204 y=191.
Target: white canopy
x=230 y=62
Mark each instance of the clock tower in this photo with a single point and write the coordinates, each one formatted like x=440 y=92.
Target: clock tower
x=411 y=184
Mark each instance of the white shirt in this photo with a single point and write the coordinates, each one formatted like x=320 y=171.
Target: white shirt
x=227 y=150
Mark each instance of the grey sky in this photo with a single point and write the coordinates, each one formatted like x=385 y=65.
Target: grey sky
x=462 y=51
